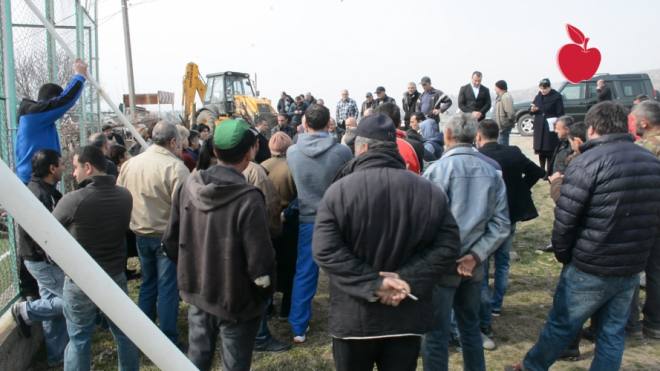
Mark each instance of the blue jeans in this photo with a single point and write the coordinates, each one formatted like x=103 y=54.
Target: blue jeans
x=304 y=282
x=463 y=295
x=503 y=138
x=80 y=312
x=489 y=303
x=159 y=293
x=578 y=296
x=48 y=309
x=264 y=335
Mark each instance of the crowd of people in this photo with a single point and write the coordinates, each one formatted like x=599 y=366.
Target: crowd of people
x=403 y=215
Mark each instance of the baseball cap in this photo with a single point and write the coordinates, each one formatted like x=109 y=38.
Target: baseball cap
x=229 y=133
x=377 y=126
x=380 y=89
x=425 y=80
x=369 y=94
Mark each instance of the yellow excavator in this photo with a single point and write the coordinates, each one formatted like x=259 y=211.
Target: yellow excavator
x=224 y=95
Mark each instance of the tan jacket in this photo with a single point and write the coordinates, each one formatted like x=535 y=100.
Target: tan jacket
x=505 y=116
x=280 y=175
x=256 y=175
x=152 y=178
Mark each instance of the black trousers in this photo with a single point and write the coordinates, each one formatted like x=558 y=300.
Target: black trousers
x=389 y=354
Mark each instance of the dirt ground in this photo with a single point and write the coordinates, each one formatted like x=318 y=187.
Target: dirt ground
x=523 y=314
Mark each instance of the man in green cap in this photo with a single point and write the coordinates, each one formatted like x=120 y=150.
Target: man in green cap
x=226 y=269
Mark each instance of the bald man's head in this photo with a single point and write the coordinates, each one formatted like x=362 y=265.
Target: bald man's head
x=351 y=122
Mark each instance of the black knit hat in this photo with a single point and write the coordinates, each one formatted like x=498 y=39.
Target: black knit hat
x=377 y=126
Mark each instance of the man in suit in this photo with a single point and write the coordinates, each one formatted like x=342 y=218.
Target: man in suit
x=519 y=174
x=474 y=98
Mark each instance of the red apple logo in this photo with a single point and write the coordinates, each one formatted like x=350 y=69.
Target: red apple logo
x=576 y=62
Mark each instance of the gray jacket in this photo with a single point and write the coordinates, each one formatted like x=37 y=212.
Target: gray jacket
x=477 y=197
x=505 y=115
x=314 y=161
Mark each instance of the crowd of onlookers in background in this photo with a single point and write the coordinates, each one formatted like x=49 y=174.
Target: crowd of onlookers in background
x=403 y=214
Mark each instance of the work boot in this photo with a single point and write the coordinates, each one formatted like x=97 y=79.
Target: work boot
x=655 y=334
x=589 y=334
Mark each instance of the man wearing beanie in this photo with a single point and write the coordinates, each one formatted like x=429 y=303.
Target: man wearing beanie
x=314 y=161
x=416 y=242
x=227 y=284
x=505 y=115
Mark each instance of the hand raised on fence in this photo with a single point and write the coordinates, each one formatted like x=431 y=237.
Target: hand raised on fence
x=80 y=67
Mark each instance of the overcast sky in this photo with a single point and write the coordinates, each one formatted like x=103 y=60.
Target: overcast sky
x=324 y=46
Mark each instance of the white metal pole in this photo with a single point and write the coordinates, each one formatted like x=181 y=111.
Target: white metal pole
x=21 y=204
x=89 y=76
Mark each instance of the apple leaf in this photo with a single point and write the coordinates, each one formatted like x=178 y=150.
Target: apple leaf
x=576 y=35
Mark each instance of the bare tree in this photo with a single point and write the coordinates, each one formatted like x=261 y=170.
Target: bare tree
x=32 y=69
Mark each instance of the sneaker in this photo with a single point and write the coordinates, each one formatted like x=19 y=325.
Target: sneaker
x=588 y=334
x=23 y=328
x=488 y=331
x=518 y=367
x=487 y=342
x=273 y=346
x=495 y=313
x=546 y=248
x=571 y=354
x=655 y=334
x=300 y=338
x=456 y=343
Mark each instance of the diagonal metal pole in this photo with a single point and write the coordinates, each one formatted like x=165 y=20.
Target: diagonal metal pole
x=89 y=76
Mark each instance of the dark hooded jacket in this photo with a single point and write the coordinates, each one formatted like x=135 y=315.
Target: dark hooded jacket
x=218 y=236
x=363 y=228
x=608 y=213
x=549 y=106
x=49 y=196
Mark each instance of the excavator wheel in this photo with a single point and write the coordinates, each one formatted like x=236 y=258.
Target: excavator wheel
x=207 y=117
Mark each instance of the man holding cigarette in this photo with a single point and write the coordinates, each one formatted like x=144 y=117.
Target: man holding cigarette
x=416 y=241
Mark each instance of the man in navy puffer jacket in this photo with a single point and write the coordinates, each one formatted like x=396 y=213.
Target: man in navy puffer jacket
x=606 y=222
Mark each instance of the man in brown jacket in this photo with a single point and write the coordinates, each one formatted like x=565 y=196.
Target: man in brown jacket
x=505 y=115
x=225 y=269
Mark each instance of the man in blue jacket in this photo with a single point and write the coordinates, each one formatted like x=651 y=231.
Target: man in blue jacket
x=36 y=120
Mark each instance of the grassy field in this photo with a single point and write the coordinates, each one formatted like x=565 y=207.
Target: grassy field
x=516 y=330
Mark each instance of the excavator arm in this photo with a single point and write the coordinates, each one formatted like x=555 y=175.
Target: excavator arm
x=192 y=83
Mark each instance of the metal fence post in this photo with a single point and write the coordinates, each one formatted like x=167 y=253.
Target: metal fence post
x=80 y=53
x=9 y=126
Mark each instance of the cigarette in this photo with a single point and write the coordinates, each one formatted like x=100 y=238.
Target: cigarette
x=413 y=297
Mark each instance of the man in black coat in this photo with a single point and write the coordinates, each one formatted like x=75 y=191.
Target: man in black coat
x=474 y=98
x=604 y=92
x=519 y=174
x=606 y=223
x=264 y=152
x=416 y=242
x=409 y=103
x=284 y=103
x=563 y=150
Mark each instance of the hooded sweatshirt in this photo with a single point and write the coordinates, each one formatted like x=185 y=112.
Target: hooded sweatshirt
x=218 y=236
x=434 y=141
x=314 y=161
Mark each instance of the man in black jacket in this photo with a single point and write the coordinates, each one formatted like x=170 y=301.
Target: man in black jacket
x=519 y=174
x=606 y=223
x=264 y=153
x=226 y=284
x=416 y=242
x=47 y=170
x=603 y=91
x=563 y=150
x=284 y=103
x=102 y=235
x=100 y=141
x=432 y=102
x=368 y=103
x=474 y=98
x=382 y=97
x=409 y=103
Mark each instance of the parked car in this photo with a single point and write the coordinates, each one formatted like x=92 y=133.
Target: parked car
x=579 y=98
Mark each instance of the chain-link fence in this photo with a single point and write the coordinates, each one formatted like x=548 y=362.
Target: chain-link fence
x=31 y=58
